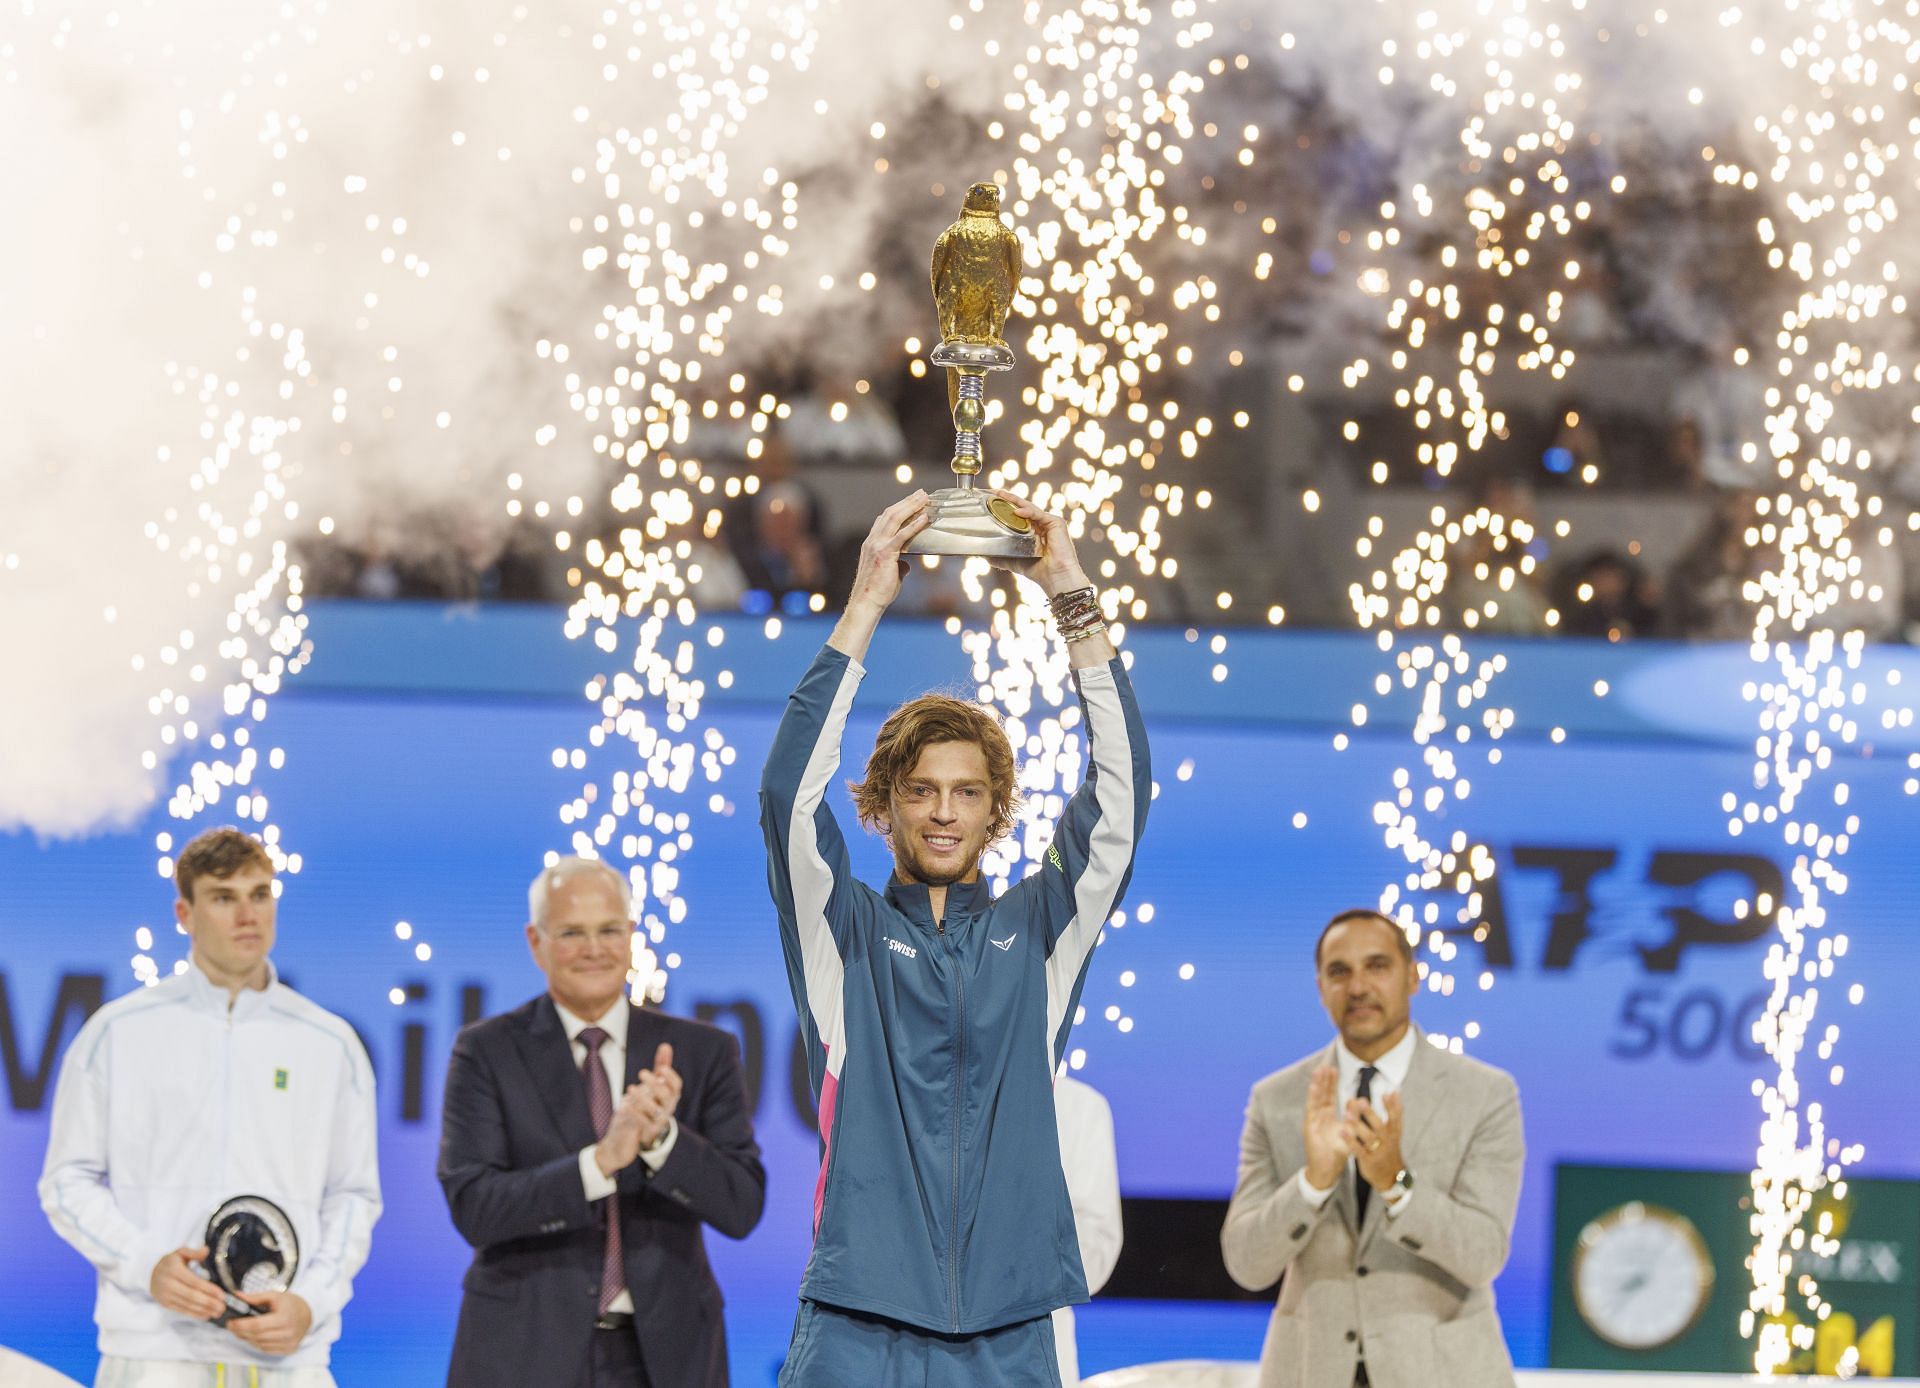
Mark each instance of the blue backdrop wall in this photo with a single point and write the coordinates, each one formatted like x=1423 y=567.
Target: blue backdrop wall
x=420 y=786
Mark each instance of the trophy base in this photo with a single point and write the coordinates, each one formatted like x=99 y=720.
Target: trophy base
x=966 y=522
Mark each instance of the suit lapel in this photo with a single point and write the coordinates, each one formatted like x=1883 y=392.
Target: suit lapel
x=549 y=1058
x=1422 y=1096
x=643 y=1035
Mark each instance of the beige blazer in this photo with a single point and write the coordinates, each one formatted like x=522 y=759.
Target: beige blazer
x=1411 y=1295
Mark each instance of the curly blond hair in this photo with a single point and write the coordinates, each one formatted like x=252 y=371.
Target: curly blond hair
x=910 y=729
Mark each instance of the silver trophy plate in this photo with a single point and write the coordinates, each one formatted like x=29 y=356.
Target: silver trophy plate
x=967 y=521
x=251 y=1247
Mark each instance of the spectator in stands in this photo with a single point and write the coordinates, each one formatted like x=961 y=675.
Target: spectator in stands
x=1496 y=584
x=1725 y=404
x=714 y=580
x=778 y=534
x=1706 y=597
x=1608 y=594
x=1575 y=451
x=782 y=553
x=1686 y=455
x=1872 y=600
x=378 y=577
x=519 y=567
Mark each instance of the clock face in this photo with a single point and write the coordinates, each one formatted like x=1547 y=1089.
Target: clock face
x=1641 y=1276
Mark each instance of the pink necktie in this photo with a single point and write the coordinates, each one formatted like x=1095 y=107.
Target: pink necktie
x=613 y=1277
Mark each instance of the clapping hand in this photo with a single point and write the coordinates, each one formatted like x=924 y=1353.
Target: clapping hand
x=1326 y=1133
x=1376 y=1141
x=659 y=1097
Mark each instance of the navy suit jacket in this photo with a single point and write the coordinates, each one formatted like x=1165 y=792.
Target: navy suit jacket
x=513 y=1122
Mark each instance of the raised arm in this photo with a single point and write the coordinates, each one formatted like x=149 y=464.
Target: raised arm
x=807 y=868
x=877 y=581
x=1085 y=871
x=1057 y=572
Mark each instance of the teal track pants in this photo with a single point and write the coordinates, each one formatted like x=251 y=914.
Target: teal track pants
x=833 y=1348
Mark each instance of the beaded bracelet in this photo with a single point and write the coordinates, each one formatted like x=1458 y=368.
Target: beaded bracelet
x=1073 y=606
x=1077 y=614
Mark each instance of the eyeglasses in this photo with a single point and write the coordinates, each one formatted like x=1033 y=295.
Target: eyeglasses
x=578 y=936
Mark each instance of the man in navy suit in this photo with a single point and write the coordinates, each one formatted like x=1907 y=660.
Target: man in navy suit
x=583 y=1142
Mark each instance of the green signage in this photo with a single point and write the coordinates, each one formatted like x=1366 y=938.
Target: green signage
x=1650 y=1272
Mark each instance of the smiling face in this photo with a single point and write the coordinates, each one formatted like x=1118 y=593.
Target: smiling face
x=583 y=943
x=231 y=922
x=940 y=814
x=1367 y=982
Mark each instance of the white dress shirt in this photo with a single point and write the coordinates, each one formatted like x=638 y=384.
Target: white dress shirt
x=613 y=1057
x=1391 y=1073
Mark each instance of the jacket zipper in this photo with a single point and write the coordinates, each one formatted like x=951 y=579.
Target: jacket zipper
x=959 y=1106
x=226 y=1091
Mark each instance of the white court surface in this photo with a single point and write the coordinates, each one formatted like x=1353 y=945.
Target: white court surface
x=1202 y=1373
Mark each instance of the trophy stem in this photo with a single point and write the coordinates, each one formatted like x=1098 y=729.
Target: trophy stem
x=969 y=417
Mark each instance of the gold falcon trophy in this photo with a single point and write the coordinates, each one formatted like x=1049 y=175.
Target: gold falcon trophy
x=976 y=264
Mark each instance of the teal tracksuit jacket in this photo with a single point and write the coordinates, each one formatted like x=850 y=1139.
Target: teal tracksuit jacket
x=932 y=1045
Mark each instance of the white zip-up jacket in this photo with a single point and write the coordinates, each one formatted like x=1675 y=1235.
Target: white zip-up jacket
x=171 y=1102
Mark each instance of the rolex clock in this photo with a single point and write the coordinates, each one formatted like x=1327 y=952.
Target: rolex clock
x=1641 y=1276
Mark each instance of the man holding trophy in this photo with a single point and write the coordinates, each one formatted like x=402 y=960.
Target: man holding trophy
x=936 y=1017
x=212 y=1153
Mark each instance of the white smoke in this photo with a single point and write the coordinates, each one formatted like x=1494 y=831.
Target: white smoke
x=336 y=233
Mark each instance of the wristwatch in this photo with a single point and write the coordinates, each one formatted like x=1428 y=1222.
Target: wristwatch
x=1401 y=1187
x=661 y=1137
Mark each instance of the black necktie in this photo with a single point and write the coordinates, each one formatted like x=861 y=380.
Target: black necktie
x=1362 y=1190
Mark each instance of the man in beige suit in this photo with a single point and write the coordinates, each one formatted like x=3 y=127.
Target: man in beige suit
x=1378 y=1181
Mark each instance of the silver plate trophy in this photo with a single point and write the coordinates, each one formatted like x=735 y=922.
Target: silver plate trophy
x=976 y=266
x=251 y=1247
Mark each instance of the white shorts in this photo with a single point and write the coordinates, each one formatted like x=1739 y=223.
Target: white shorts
x=180 y=1373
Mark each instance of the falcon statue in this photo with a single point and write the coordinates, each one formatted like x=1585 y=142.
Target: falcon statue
x=976 y=264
